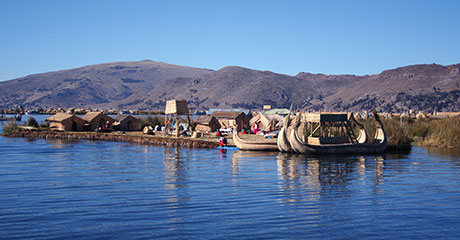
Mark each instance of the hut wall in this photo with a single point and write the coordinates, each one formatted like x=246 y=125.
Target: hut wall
x=76 y=124
x=242 y=122
x=226 y=123
x=99 y=121
x=176 y=107
x=214 y=125
x=203 y=128
x=128 y=124
x=57 y=126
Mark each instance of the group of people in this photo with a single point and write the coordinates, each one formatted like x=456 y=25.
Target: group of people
x=106 y=127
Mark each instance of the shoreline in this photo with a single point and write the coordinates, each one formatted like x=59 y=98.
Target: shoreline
x=153 y=140
x=165 y=141
x=139 y=138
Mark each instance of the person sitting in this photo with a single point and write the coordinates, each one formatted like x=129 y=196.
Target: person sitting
x=107 y=125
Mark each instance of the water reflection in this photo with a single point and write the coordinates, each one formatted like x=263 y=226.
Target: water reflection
x=298 y=174
x=61 y=143
x=175 y=169
x=318 y=172
x=450 y=153
x=240 y=155
x=379 y=164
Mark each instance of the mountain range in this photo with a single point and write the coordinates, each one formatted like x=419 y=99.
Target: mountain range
x=147 y=85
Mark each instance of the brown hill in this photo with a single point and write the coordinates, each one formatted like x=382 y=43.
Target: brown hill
x=148 y=84
x=418 y=87
x=230 y=87
x=93 y=85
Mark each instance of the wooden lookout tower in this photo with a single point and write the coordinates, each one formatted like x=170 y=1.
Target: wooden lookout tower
x=174 y=108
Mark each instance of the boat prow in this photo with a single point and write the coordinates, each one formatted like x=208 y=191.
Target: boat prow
x=282 y=141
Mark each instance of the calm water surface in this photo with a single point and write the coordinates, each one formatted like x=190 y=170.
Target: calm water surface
x=106 y=190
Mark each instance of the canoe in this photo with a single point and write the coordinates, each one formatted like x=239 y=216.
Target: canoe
x=242 y=144
x=361 y=146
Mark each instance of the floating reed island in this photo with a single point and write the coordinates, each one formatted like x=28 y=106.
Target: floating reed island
x=268 y=130
x=133 y=137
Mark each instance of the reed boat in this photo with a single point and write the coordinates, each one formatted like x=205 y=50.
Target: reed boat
x=334 y=135
x=282 y=140
x=257 y=145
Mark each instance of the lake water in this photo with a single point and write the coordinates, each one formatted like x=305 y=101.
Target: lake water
x=107 y=190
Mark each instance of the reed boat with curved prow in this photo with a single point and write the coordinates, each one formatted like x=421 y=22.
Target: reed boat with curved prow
x=282 y=141
x=335 y=144
x=257 y=145
x=362 y=135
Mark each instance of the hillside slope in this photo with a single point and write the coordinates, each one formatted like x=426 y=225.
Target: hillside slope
x=148 y=84
x=425 y=87
x=231 y=87
x=90 y=85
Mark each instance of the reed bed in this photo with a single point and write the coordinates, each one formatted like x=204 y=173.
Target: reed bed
x=398 y=137
x=151 y=121
x=422 y=132
x=436 y=132
x=11 y=127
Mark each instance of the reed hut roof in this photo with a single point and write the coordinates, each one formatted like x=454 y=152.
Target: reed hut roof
x=229 y=115
x=92 y=115
x=121 y=118
x=280 y=111
x=213 y=110
x=205 y=120
x=59 y=117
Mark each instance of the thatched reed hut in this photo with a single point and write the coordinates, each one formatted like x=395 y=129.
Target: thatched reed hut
x=228 y=119
x=96 y=119
x=266 y=122
x=207 y=124
x=66 y=122
x=126 y=123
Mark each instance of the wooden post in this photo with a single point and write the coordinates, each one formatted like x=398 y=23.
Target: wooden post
x=177 y=125
x=189 y=124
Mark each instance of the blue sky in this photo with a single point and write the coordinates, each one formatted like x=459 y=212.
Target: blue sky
x=331 y=37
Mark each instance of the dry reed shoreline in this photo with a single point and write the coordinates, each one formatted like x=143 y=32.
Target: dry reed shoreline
x=153 y=140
